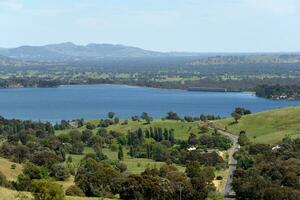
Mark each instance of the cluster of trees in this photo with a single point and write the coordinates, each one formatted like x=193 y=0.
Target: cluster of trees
x=175 y=116
x=239 y=112
x=66 y=124
x=99 y=179
x=160 y=145
x=266 y=173
x=278 y=91
x=215 y=140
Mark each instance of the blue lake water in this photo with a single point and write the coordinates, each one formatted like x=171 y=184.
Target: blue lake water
x=94 y=101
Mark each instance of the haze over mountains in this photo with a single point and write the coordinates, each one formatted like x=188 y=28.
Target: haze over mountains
x=69 y=51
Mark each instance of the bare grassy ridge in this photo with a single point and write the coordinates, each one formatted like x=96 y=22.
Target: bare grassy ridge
x=267 y=127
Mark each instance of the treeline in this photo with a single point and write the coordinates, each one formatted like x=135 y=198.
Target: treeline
x=278 y=91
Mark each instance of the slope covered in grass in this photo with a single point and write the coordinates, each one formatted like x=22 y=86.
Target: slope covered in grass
x=266 y=127
x=182 y=130
x=6 y=168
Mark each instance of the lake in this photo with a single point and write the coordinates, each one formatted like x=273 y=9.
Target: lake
x=94 y=101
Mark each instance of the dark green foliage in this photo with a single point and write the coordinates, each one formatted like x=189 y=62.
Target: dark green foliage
x=111 y=115
x=242 y=111
x=172 y=116
x=146 y=117
x=120 y=153
x=86 y=135
x=236 y=116
x=264 y=173
x=243 y=139
x=94 y=178
x=60 y=172
x=278 y=91
x=215 y=141
x=90 y=126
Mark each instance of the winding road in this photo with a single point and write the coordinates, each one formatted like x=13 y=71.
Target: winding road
x=228 y=192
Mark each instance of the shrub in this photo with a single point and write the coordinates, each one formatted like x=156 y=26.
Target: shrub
x=74 y=190
x=46 y=190
x=13 y=166
x=60 y=172
x=90 y=126
x=121 y=167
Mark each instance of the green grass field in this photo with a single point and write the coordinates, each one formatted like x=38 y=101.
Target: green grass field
x=266 y=127
x=134 y=165
x=182 y=129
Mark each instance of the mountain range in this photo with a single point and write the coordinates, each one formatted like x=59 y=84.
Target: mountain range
x=72 y=52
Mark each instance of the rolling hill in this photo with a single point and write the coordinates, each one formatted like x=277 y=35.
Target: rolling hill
x=266 y=127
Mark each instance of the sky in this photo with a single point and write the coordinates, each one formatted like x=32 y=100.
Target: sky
x=163 y=25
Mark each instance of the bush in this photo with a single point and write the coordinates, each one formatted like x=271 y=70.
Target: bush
x=60 y=172
x=74 y=190
x=121 y=167
x=13 y=166
x=90 y=126
x=46 y=190
x=35 y=172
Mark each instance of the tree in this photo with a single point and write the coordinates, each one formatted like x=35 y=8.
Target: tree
x=236 y=116
x=110 y=115
x=172 y=116
x=60 y=172
x=146 y=117
x=120 y=153
x=94 y=177
x=116 y=120
x=46 y=190
x=86 y=135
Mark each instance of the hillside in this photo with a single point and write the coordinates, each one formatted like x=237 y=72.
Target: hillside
x=266 y=127
x=248 y=59
x=6 y=61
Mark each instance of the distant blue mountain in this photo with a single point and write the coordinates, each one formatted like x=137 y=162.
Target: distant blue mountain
x=69 y=51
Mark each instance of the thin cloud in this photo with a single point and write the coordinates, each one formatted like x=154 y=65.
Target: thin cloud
x=11 y=5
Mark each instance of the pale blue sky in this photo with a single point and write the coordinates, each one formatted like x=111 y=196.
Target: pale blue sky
x=166 y=25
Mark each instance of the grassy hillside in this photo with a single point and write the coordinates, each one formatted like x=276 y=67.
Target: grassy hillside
x=5 y=167
x=182 y=129
x=266 y=127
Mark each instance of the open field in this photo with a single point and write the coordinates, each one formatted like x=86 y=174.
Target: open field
x=182 y=130
x=134 y=165
x=266 y=127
